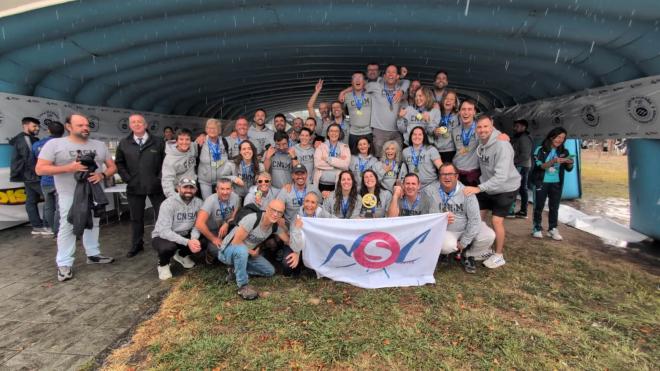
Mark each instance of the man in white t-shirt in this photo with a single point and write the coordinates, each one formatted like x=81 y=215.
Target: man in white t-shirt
x=60 y=158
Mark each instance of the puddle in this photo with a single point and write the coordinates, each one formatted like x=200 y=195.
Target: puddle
x=615 y=208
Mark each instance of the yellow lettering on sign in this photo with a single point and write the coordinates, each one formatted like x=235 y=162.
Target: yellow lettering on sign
x=15 y=196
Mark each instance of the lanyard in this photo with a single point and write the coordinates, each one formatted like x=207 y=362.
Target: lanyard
x=332 y=149
x=214 y=148
x=246 y=170
x=416 y=155
x=224 y=208
x=300 y=196
x=446 y=196
x=445 y=120
x=465 y=136
x=362 y=165
x=389 y=94
x=393 y=163
x=407 y=206
x=344 y=207
x=358 y=102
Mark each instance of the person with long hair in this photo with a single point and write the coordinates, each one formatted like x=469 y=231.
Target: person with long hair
x=330 y=157
x=442 y=131
x=422 y=113
x=344 y=202
x=364 y=159
x=245 y=169
x=421 y=157
x=383 y=197
x=390 y=165
x=551 y=160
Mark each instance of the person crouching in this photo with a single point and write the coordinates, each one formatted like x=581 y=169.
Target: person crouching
x=175 y=235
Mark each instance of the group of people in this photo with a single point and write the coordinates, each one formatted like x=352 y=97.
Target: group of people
x=387 y=147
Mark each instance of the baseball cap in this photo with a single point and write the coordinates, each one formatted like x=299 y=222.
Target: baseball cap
x=300 y=168
x=187 y=182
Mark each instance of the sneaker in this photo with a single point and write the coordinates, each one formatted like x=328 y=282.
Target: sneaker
x=537 y=233
x=510 y=216
x=469 y=265
x=64 y=273
x=483 y=256
x=521 y=215
x=248 y=293
x=554 y=234
x=99 y=259
x=184 y=260
x=42 y=231
x=164 y=272
x=495 y=261
x=231 y=276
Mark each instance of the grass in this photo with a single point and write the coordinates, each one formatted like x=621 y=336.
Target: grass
x=604 y=175
x=554 y=306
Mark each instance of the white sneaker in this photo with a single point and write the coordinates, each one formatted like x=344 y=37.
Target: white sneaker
x=164 y=272
x=554 y=233
x=483 y=256
x=184 y=260
x=537 y=234
x=495 y=261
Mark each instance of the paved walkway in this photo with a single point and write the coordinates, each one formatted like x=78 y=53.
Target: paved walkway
x=46 y=324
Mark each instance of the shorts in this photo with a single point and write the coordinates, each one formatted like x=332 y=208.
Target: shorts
x=499 y=204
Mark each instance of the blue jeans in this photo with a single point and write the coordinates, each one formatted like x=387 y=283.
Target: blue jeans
x=32 y=198
x=244 y=264
x=51 y=213
x=66 y=241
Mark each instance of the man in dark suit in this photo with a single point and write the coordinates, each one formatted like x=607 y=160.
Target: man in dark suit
x=139 y=160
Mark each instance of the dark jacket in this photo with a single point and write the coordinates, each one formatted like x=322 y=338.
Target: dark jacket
x=540 y=154
x=22 y=159
x=87 y=198
x=140 y=169
x=523 y=144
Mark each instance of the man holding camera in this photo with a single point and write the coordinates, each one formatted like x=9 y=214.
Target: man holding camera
x=60 y=158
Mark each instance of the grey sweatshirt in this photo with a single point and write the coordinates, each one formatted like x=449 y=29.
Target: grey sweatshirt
x=177 y=165
x=444 y=142
x=176 y=219
x=498 y=174
x=367 y=164
x=411 y=120
x=209 y=172
x=465 y=159
x=465 y=209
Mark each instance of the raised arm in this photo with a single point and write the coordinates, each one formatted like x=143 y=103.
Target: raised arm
x=312 y=100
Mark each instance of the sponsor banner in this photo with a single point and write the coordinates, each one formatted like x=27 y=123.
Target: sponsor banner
x=624 y=110
x=107 y=124
x=375 y=253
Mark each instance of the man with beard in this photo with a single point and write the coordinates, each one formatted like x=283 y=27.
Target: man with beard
x=523 y=144
x=279 y=122
x=60 y=158
x=440 y=86
x=294 y=195
x=22 y=170
x=175 y=235
x=259 y=134
x=277 y=160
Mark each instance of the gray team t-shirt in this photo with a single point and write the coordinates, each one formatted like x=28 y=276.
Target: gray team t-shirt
x=251 y=197
x=219 y=211
x=425 y=169
x=260 y=138
x=280 y=169
x=466 y=156
x=421 y=205
x=383 y=114
x=306 y=157
x=360 y=118
x=255 y=235
x=62 y=151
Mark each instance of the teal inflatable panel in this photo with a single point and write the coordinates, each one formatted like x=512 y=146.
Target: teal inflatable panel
x=572 y=180
x=5 y=155
x=644 y=186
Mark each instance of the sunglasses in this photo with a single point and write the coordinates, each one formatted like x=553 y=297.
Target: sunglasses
x=261 y=181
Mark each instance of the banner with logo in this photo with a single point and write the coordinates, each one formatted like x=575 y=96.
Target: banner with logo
x=375 y=253
x=624 y=110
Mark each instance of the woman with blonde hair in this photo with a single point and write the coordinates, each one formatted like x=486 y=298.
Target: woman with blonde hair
x=421 y=113
x=389 y=167
x=213 y=158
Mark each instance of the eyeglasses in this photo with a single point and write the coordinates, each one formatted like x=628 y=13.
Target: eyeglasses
x=261 y=181
x=448 y=174
x=276 y=212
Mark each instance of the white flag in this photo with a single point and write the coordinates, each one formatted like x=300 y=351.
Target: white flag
x=374 y=253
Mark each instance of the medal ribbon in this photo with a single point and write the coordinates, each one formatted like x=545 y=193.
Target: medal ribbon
x=214 y=148
x=332 y=149
x=224 y=208
x=407 y=206
x=446 y=196
x=465 y=136
x=300 y=196
x=344 y=207
x=416 y=155
x=358 y=102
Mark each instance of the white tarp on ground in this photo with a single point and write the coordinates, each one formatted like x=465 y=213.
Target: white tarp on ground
x=375 y=253
x=610 y=231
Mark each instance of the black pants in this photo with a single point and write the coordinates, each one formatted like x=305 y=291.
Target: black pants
x=286 y=270
x=353 y=139
x=166 y=250
x=552 y=192
x=447 y=156
x=274 y=249
x=524 y=198
x=136 y=207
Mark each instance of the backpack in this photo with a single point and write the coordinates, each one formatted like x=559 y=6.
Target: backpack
x=246 y=210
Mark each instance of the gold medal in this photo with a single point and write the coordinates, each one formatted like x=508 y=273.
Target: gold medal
x=443 y=130
x=215 y=164
x=359 y=112
x=257 y=194
x=369 y=200
x=419 y=117
x=464 y=150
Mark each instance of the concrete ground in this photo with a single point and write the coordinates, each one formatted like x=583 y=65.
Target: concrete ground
x=51 y=325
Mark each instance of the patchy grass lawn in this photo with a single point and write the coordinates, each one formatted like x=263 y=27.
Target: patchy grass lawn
x=553 y=306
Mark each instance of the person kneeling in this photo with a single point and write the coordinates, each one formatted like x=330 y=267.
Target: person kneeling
x=174 y=235
x=239 y=248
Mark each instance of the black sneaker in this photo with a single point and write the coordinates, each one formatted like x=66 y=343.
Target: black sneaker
x=231 y=276
x=248 y=293
x=469 y=265
x=521 y=215
x=99 y=259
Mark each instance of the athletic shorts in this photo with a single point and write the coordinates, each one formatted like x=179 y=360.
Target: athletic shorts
x=499 y=204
